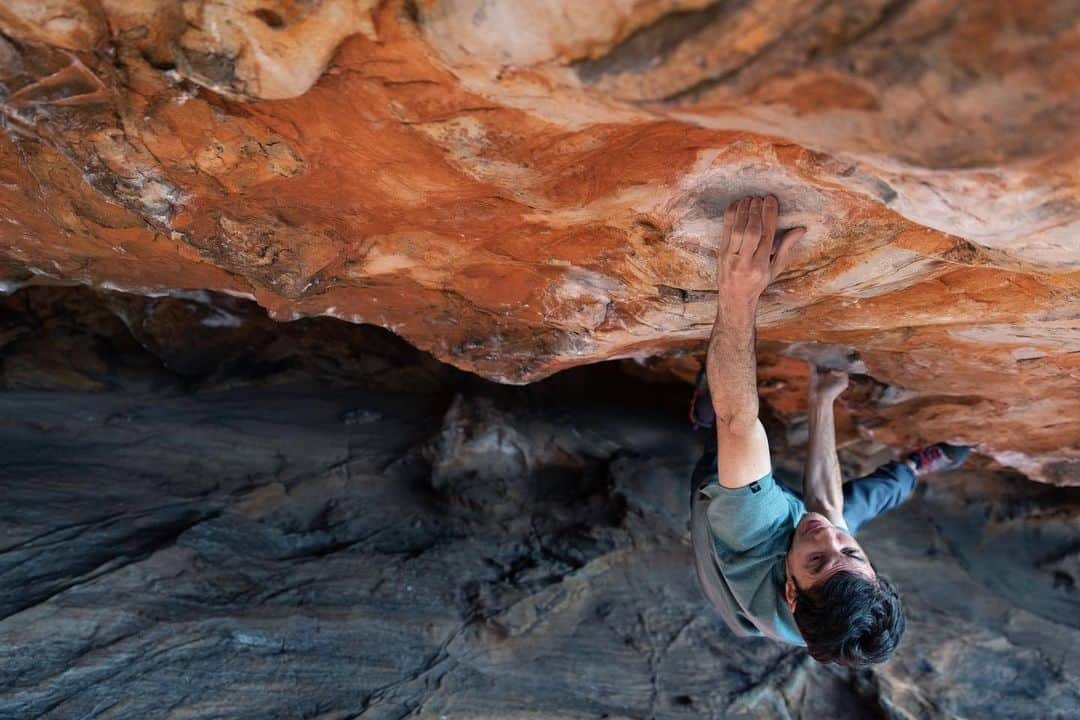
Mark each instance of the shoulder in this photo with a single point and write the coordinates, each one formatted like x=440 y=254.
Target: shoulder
x=757 y=516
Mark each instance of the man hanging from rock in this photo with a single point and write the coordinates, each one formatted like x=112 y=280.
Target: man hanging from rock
x=774 y=563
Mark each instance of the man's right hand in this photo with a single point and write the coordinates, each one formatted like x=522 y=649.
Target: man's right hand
x=827 y=384
x=750 y=256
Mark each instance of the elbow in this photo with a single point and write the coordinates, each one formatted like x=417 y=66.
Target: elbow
x=739 y=424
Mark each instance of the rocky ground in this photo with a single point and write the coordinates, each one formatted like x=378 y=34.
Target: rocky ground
x=210 y=515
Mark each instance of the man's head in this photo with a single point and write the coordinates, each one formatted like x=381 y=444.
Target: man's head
x=846 y=612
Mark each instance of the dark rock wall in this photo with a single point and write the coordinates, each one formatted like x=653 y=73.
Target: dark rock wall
x=256 y=538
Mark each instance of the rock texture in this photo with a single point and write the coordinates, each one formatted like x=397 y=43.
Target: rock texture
x=522 y=187
x=426 y=544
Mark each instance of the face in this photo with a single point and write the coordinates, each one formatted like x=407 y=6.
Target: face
x=818 y=550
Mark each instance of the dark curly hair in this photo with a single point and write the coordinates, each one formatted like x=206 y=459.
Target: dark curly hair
x=850 y=619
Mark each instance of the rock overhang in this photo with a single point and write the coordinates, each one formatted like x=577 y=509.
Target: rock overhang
x=522 y=202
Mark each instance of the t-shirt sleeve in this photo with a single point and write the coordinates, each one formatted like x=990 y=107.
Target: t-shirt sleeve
x=742 y=519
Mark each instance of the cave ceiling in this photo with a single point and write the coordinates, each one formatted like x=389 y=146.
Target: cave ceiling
x=522 y=187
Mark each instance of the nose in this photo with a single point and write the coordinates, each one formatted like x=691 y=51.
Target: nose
x=830 y=531
x=832 y=538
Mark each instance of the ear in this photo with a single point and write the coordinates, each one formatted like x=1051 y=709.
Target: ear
x=789 y=593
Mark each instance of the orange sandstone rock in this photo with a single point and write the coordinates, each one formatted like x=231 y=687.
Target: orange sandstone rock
x=523 y=187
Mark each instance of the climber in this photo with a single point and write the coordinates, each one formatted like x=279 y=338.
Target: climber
x=776 y=563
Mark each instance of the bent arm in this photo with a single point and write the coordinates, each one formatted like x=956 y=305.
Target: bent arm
x=823 y=485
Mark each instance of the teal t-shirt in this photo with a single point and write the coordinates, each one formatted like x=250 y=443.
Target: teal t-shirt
x=751 y=530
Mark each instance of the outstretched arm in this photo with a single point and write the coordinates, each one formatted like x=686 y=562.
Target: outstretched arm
x=748 y=259
x=823 y=485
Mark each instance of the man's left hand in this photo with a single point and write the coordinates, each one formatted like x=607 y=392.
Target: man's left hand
x=750 y=256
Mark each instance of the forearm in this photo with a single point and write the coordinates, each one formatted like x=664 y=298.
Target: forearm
x=746 y=262
x=731 y=367
x=823 y=486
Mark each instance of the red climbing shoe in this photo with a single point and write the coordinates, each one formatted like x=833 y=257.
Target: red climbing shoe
x=938 y=457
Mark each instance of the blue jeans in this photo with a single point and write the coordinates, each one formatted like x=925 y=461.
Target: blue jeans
x=864 y=498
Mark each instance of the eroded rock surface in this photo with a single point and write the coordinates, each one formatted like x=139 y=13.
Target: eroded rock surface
x=426 y=544
x=522 y=187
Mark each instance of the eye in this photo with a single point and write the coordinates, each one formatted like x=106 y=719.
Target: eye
x=851 y=552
